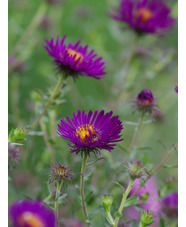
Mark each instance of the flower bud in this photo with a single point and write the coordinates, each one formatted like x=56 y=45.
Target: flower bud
x=18 y=134
x=136 y=169
x=146 y=218
x=107 y=202
x=145 y=102
x=59 y=172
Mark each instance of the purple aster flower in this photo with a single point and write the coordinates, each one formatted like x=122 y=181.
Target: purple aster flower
x=150 y=193
x=145 y=101
x=74 y=59
x=28 y=213
x=91 y=132
x=59 y=172
x=144 y=16
x=170 y=205
x=176 y=89
x=13 y=155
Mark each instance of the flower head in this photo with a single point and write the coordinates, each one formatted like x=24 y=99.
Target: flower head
x=170 y=205
x=59 y=172
x=145 y=101
x=136 y=169
x=91 y=132
x=107 y=201
x=74 y=59
x=144 y=16
x=13 y=155
x=147 y=218
x=31 y=213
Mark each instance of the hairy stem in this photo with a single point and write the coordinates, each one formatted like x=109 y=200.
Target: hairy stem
x=136 y=133
x=82 y=187
x=59 y=84
x=157 y=168
x=57 y=201
x=125 y=194
x=49 y=146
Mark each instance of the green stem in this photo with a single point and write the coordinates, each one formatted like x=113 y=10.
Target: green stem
x=59 y=84
x=57 y=201
x=110 y=218
x=82 y=187
x=141 y=225
x=157 y=168
x=135 y=136
x=32 y=26
x=125 y=194
x=46 y=139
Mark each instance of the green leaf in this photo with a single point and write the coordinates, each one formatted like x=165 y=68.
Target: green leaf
x=87 y=198
x=123 y=148
x=131 y=201
x=90 y=163
x=119 y=185
x=117 y=214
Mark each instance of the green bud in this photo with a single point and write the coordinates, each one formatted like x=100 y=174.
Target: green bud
x=107 y=202
x=146 y=218
x=145 y=196
x=17 y=135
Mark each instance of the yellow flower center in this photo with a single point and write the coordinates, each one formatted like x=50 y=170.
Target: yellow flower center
x=78 y=55
x=84 y=131
x=144 y=14
x=61 y=171
x=30 y=219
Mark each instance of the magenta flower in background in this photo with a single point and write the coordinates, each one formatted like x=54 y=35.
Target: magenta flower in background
x=176 y=89
x=14 y=155
x=144 y=16
x=72 y=223
x=150 y=190
x=26 y=213
x=74 y=60
x=145 y=101
x=170 y=205
x=92 y=131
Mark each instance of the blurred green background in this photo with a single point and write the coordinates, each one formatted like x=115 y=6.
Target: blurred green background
x=153 y=66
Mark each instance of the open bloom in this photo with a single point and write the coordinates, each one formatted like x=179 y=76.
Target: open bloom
x=91 y=132
x=145 y=101
x=28 y=213
x=74 y=59
x=144 y=16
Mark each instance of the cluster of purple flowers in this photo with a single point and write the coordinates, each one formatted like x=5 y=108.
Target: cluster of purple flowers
x=95 y=131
